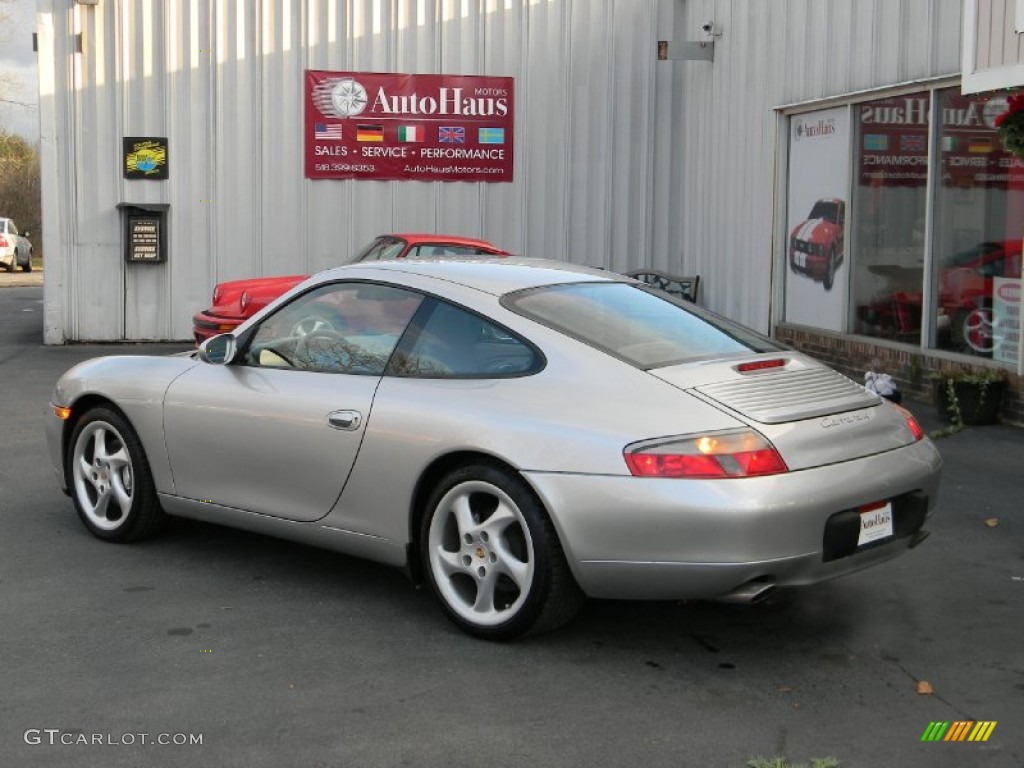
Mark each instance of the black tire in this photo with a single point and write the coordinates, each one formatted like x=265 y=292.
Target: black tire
x=27 y=267
x=830 y=270
x=105 y=460
x=509 y=550
x=10 y=267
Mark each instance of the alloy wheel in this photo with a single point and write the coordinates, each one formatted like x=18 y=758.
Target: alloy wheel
x=104 y=479
x=481 y=553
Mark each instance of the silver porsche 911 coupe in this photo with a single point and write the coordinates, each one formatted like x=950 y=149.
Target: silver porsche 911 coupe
x=518 y=434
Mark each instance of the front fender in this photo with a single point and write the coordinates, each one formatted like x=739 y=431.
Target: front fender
x=136 y=386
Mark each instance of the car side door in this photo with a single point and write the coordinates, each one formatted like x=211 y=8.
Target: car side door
x=276 y=432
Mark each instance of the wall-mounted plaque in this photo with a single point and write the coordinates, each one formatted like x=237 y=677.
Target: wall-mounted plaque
x=145 y=232
x=145 y=157
x=144 y=238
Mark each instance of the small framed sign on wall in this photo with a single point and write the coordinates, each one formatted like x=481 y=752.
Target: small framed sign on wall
x=144 y=157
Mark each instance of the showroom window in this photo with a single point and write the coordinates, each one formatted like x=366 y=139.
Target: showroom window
x=889 y=200
x=979 y=223
x=871 y=267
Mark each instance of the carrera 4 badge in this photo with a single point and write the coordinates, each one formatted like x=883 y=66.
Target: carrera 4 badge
x=845 y=419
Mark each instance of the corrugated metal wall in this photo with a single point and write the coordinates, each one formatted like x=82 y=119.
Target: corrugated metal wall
x=611 y=170
x=223 y=80
x=998 y=42
x=772 y=54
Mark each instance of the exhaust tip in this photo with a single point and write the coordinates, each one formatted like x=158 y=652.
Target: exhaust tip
x=918 y=537
x=752 y=592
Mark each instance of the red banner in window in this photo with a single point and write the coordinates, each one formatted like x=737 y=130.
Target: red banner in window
x=372 y=125
x=894 y=142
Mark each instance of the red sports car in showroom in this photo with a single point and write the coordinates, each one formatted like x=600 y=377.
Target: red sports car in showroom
x=816 y=244
x=966 y=284
x=238 y=300
x=965 y=291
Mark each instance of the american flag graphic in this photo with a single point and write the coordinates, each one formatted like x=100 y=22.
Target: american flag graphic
x=327 y=130
x=451 y=134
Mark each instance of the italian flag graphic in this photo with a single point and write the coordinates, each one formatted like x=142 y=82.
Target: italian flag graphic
x=411 y=133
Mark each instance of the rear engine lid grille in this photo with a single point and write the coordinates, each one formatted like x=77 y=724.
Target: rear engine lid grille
x=773 y=397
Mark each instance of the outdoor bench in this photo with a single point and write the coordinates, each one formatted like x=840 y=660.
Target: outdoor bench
x=675 y=285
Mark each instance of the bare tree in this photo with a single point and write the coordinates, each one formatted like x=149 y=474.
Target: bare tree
x=20 y=187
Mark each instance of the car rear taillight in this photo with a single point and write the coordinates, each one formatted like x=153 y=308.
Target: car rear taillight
x=738 y=453
x=3 y=242
x=915 y=428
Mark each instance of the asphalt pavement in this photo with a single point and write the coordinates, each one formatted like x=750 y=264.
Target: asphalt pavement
x=273 y=654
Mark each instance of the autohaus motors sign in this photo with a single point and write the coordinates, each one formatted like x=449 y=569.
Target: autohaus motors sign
x=372 y=125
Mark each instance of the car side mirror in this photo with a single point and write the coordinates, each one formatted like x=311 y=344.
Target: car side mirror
x=26 y=233
x=218 y=350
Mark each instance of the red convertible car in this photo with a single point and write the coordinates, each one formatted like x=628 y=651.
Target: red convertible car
x=816 y=244
x=238 y=300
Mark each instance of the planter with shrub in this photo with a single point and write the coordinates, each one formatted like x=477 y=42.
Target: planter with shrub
x=970 y=397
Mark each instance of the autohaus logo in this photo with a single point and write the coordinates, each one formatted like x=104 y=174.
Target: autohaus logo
x=347 y=97
x=806 y=129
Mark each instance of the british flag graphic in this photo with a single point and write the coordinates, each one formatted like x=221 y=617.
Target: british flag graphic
x=451 y=134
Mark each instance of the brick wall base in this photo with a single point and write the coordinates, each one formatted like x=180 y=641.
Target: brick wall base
x=912 y=368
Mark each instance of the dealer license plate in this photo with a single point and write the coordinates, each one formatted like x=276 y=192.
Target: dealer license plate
x=875 y=522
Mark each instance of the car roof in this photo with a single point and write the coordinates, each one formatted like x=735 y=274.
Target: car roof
x=490 y=275
x=417 y=238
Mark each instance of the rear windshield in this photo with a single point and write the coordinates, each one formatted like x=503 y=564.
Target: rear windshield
x=639 y=325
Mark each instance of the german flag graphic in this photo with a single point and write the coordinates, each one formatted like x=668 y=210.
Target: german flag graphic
x=369 y=132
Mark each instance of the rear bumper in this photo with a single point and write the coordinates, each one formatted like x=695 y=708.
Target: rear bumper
x=644 y=538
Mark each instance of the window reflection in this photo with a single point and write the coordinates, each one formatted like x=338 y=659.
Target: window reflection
x=336 y=328
x=889 y=213
x=979 y=224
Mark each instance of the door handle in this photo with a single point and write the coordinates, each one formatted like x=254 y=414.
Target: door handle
x=347 y=420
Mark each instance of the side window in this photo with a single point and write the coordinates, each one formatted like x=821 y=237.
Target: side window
x=453 y=342
x=382 y=248
x=466 y=250
x=12 y=229
x=337 y=328
x=441 y=250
